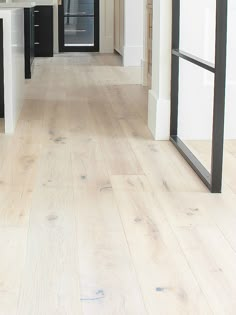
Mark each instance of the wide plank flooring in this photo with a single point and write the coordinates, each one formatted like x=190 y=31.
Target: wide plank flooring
x=96 y=218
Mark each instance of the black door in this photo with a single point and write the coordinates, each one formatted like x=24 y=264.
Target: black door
x=79 y=25
x=213 y=179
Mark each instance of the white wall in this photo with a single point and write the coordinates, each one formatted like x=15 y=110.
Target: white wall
x=159 y=95
x=133 y=32
x=196 y=88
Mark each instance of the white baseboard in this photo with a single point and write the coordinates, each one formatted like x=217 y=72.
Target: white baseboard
x=158 y=117
x=132 y=56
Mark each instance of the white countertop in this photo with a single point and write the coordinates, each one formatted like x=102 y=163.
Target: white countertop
x=5 y=11
x=45 y=2
x=25 y=4
x=17 y=5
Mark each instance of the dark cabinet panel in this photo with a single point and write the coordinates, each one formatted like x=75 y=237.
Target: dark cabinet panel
x=29 y=40
x=43 y=26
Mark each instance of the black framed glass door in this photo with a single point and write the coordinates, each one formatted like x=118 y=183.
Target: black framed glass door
x=79 y=25
x=212 y=179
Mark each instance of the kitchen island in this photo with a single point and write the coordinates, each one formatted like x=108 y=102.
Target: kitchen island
x=28 y=31
x=20 y=35
x=11 y=65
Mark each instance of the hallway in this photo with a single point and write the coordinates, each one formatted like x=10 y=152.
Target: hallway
x=96 y=218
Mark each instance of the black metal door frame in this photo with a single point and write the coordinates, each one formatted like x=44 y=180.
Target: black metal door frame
x=61 y=29
x=212 y=180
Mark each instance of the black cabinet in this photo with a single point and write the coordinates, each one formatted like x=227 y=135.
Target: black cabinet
x=43 y=26
x=29 y=40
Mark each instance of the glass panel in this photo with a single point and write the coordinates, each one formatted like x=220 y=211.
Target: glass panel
x=197 y=28
x=79 y=7
x=79 y=22
x=196 y=93
x=230 y=113
x=79 y=31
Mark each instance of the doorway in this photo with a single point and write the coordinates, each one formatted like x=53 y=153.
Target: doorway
x=79 y=26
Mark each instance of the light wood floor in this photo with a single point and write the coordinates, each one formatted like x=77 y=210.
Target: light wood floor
x=98 y=219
